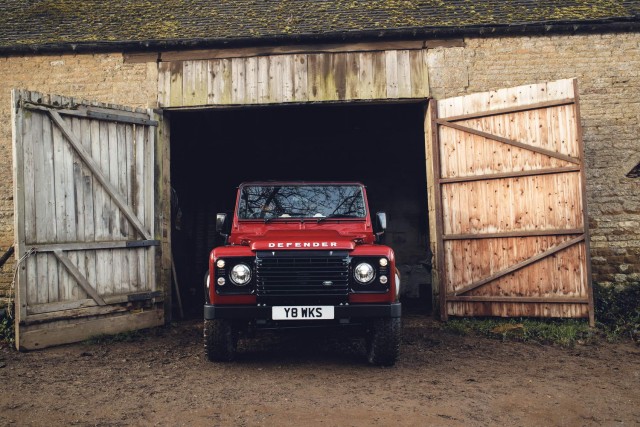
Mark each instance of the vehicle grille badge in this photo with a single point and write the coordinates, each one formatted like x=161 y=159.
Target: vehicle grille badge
x=327 y=283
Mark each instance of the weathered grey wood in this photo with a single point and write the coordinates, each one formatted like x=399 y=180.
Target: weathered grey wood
x=295 y=77
x=20 y=206
x=60 y=306
x=68 y=331
x=189 y=55
x=73 y=314
x=86 y=158
x=520 y=265
x=149 y=165
x=82 y=281
x=80 y=237
x=163 y=214
x=98 y=114
x=82 y=246
x=139 y=205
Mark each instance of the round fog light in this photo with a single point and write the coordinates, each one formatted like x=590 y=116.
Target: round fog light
x=383 y=280
x=383 y=262
x=221 y=281
x=220 y=263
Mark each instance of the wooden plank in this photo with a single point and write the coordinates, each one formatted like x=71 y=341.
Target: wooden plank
x=164 y=84
x=288 y=79
x=261 y=51
x=123 y=188
x=509 y=141
x=365 y=76
x=520 y=265
x=194 y=83
x=391 y=71
x=526 y=300
x=76 y=306
x=60 y=306
x=163 y=202
x=93 y=246
x=520 y=233
x=263 y=80
x=238 y=82
x=82 y=128
x=532 y=172
x=437 y=190
x=404 y=74
x=585 y=215
x=418 y=74
x=95 y=169
x=276 y=66
x=137 y=274
x=150 y=220
x=68 y=331
x=73 y=314
x=98 y=114
x=82 y=281
x=516 y=109
x=251 y=81
x=176 y=81
x=351 y=75
x=301 y=83
x=19 y=170
x=379 y=65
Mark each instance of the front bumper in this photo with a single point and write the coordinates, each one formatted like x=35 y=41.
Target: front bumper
x=341 y=312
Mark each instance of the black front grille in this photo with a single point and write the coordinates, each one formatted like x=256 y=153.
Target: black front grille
x=302 y=277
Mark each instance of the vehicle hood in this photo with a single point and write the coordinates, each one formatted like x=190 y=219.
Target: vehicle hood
x=309 y=239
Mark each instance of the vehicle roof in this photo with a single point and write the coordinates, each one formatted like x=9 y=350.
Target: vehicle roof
x=272 y=183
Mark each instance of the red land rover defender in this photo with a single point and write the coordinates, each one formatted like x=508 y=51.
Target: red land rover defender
x=302 y=254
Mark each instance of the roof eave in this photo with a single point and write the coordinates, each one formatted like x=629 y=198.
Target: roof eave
x=418 y=33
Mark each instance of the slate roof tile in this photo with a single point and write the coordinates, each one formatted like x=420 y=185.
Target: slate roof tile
x=36 y=24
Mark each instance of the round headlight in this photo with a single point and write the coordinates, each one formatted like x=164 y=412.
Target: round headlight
x=220 y=263
x=240 y=274
x=383 y=262
x=363 y=273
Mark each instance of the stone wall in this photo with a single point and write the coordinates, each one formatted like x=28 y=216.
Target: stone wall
x=102 y=78
x=608 y=71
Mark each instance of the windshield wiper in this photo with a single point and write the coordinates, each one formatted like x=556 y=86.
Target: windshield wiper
x=335 y=216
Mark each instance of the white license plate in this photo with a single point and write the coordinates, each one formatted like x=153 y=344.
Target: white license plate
x=302 y=312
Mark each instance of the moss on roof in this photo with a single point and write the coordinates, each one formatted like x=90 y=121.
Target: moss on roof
x=37 y=23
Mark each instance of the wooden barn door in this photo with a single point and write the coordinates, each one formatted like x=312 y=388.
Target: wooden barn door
x=84 y=220
x=508 y=203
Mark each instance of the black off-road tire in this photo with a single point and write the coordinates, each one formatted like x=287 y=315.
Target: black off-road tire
x=383 y=343
x=220 y=340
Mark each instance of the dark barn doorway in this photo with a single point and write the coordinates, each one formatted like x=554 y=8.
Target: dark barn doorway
x=381 y=145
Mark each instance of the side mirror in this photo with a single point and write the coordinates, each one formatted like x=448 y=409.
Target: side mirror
x=221 y=223
x=380 y=225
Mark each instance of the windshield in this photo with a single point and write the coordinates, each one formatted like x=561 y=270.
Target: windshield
x=301 y=201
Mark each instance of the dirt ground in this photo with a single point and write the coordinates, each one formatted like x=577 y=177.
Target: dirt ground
x=441 y=378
